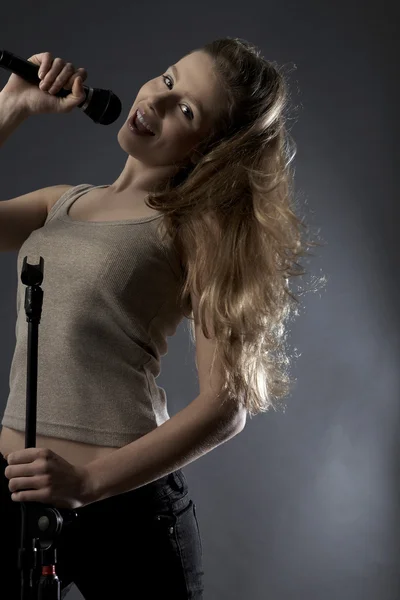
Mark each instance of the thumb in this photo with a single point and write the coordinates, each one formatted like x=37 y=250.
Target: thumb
x=77 y=89
x=77 y=94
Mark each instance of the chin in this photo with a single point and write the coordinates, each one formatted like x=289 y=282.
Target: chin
x=127 y=144
x=149 y=158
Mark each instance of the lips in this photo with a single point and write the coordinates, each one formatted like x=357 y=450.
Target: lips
x=135 y=130
x=139 y=126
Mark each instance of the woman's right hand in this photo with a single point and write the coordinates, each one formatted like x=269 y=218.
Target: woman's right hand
x=57 y=74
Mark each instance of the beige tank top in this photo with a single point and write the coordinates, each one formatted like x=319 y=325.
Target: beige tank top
x=110 y=301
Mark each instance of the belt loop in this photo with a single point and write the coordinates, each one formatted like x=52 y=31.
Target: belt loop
x=175 y=481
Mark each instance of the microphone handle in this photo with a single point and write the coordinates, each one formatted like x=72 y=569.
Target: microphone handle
x=102 y=106
x=29 y=71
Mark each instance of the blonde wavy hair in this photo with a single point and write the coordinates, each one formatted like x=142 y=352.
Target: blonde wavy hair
x=231 y=217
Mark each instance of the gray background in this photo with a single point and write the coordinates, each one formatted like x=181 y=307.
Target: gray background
x=302 y=504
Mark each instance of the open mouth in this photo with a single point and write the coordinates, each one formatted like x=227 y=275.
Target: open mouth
x=137 y=124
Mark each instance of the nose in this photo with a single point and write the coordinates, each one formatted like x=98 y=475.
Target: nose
x=156 y=103
x=160 y=101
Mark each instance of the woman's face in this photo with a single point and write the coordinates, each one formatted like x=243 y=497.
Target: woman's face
x=180 y=106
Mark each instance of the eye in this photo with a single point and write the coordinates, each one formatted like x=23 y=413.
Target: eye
x=189 y=113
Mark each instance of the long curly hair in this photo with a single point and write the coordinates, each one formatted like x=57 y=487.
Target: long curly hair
x=231 y=217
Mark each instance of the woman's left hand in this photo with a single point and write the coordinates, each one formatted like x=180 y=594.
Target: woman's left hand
x=41 y=475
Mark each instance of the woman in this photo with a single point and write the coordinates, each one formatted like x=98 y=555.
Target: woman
x=200 y=224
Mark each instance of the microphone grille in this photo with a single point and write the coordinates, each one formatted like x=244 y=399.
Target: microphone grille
x=104 y=106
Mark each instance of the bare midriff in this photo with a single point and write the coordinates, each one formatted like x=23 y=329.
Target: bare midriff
x=77 y=453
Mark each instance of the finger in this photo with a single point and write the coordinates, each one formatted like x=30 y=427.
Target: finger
x=32 y=496
x=17 y=484
x=26 y=469
x=46 y=60
x=62 y=78
x=26 y=455
x=82 y=73
x=50 y=77
x=43 y=60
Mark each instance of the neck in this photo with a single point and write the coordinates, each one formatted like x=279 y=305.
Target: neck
x=138 y=179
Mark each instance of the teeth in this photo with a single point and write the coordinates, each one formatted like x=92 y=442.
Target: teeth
x=141 y=119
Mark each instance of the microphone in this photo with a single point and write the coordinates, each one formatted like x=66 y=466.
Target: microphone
x=102 y=106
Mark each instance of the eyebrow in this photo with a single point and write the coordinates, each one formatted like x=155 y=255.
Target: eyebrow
x=188 y=94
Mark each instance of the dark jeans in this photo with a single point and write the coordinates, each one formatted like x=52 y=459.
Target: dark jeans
x=144 y=544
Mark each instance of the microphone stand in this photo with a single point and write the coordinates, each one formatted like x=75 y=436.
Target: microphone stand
x=41 y=523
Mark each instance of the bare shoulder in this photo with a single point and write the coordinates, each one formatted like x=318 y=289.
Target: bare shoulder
x=21 y=215
x=55 y=192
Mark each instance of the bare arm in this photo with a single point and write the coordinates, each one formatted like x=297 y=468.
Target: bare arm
x=191 y=433
x=12 y=114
